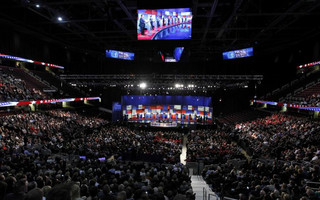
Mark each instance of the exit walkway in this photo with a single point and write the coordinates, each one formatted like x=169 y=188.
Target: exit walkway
x=202 y=189
x=183 y=155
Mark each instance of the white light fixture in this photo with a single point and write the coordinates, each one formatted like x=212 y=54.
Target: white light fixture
x=59 y=19
x=38 y=5
x=143 y=85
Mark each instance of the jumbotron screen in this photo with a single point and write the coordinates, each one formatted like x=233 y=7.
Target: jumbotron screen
x=164 y=24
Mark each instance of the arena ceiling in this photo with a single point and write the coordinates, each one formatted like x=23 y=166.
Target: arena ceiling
x=218 y=25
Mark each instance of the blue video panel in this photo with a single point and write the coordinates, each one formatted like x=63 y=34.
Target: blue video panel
x=119 y=55
x=240 y=53
x=165 y=100
x=177 y=53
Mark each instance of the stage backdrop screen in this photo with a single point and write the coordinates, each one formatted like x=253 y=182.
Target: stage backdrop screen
x=240 y=53
x=164 y=24
x=190 y=109
x=119 y=55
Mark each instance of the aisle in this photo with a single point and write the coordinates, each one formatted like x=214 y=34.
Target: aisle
x=202 y=189
x=183 y=155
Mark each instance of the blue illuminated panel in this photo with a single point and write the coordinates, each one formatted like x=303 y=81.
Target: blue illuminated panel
x=240 y=53
x=119 y=55
x=177 y=53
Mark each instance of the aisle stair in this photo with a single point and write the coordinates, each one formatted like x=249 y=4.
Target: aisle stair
x=202 y=189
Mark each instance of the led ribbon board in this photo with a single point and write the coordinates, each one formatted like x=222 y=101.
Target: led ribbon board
x=288 y=105
x=20 y=103
x=308 y=65
x=30 y=61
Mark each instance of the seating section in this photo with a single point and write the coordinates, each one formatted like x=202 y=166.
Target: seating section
x=56 y=148
x=241 y=116
x=59 y=149
x=310 y=91
x=211 y=146
x=16 y=85
x=64 y=89
x=309 y=97
x=285 y=160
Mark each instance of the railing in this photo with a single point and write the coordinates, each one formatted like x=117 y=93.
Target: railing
x=228 y=198
x=213 y=195
x=204 y=192
x=310 y=84
x=209 y=195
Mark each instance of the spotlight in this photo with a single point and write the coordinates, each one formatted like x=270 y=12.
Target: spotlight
x=59 y=19
x=38 y=5
x=143 y=85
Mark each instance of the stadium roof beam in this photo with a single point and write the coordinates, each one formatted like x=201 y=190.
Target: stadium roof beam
x=298 y=16
x=51 y=12
x=226 y=24
x=195 y=7
x=128 y=13
x=124 y=29
x=160 y=77
x=69 y=2
x=278 y=19
x=213 y=9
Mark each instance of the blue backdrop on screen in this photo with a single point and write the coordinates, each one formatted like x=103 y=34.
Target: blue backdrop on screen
x=240 y=53
x=177 y=53
x=165 y=100
x=119 y=55
x=116 y=111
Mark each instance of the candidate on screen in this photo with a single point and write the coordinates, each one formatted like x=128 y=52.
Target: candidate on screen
x=164 y=24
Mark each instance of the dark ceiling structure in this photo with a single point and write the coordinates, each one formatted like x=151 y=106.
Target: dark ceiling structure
x=218 y=25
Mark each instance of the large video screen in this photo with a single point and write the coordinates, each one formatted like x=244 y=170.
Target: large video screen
x=119 y=55
x=164 y=24
x=140 y=108
x=240 y=53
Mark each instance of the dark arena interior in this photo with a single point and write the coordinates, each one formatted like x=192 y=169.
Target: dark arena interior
x=159 y=100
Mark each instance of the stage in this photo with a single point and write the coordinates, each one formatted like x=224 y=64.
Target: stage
x=169 y=123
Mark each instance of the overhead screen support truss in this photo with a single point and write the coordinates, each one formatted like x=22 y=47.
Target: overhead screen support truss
x=162 y=77
x=164 y=81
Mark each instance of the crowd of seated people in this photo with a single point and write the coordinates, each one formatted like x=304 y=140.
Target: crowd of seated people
x=211 y=146
x=36 y=150
x=286 y=154
x=130 y=144
x=282 y=137
x=264 y=181
x=13 y=89
x=312 y=100
x=94 y=179
x=43 y=154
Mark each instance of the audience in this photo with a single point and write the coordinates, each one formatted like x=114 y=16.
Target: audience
x=50 y=154
x=211 y=146
x=282 y=137
x=13 y=89
x=59 y=154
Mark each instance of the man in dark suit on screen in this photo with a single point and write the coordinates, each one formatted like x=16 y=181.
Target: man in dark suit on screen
x=142 y=25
